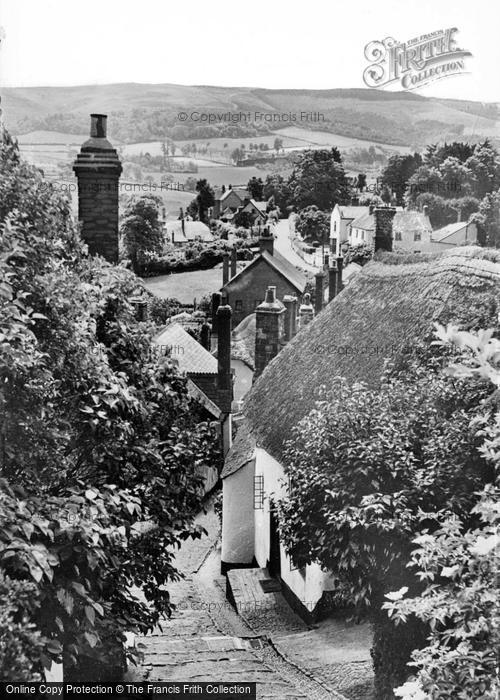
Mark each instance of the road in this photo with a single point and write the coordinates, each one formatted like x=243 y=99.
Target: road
x=283 y=245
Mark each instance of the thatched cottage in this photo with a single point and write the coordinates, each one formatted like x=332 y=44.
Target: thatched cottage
x=387 y=306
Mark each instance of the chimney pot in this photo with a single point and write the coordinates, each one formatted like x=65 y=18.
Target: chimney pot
x=270 y=295
x=98 y=126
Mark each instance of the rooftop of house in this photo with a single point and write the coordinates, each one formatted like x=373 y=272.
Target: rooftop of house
x=281 y=265
x=352 y=212
x=386 y=307
x=192 y=230
x=185 y=351
x=365 y=221
x=409 y=220
x=442 y=233
x=240 y=191
x=404 y=220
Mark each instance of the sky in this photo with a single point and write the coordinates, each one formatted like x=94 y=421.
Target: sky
x=314 y=44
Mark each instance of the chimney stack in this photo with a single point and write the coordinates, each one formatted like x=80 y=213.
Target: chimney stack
x=306 y=311
x=224 y=378
x=339 y=286
x=318 y=296
x=269 y=330
x=98 y=169
x=216 y=302
x=332 y=280
x=233 y=262
x=205 y=335
x=383 y=227
x=266 y=242
x=290 y=303
x=225 y=269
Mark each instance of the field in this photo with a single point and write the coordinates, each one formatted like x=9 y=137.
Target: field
x=186 y=285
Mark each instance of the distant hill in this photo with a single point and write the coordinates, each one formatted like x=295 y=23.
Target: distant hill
x=142 y=112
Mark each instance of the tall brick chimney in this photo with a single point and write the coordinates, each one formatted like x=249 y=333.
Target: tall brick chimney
x=266 y=242
x=383 y=227
x=233 y=262
x=306 y=310
x=318 y=296
x=269 y=330
x=224 y=378
x=290 y=303
x=98 y=169
x=225 y=268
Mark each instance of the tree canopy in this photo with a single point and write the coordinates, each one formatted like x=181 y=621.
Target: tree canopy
x=100 y=447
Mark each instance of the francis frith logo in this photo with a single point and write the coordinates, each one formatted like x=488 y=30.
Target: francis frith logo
x=415 y=63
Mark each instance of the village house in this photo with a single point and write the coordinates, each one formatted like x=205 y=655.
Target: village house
x=341 y=219
x=412 y=230
x=210 y=379
x=181 y=232
x=452 y=235
x=383 y=309
x=228 y=201
x=244 y=290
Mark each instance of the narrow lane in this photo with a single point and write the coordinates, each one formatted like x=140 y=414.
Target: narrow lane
x=205 y=640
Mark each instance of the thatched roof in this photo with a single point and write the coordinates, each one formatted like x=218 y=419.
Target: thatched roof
x=385 y=308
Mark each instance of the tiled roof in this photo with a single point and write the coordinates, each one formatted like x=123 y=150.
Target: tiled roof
x=190 y=356
x=365 y=221
x=379 y=315
x=281 y=265
x=409 y=221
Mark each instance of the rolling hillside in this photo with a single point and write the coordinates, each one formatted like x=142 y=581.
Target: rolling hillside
x=143 y=112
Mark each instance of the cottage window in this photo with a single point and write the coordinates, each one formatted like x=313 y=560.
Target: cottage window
x=258 y=492
x=397 y=237
x=334 y=225
x=363 y=235
x=417 y=236
x=238 y=305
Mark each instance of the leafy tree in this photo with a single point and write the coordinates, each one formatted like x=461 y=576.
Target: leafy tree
x=256 y=188
x=313 y=224
x=488 y=220
x=318 y=178
x=369 y=469
x=204 y=199
x=277 y=187
x=278 y=144
x=141 y=229
x=459 y=567
x=100 y=445
x=398 y=171
x=244 y=219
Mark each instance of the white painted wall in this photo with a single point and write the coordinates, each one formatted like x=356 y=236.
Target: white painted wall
x=307 y=584
x=238 y=516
